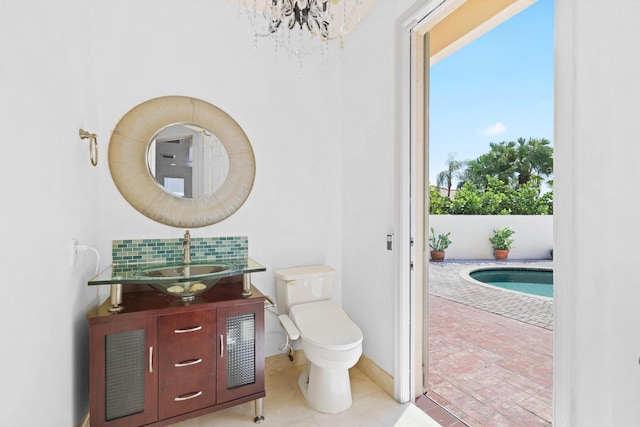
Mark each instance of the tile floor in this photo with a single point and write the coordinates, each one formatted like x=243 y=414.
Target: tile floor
x=486 y=368
x=285 y=405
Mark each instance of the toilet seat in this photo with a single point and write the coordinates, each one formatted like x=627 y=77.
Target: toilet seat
x=324 y=324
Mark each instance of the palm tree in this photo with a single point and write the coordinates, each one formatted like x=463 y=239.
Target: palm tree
x=498 y=163
x=446 y=177
x=535 y=159
x=513 y=163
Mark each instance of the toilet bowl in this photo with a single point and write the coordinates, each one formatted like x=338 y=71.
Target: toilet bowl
x=332 y=343
x=330 y=340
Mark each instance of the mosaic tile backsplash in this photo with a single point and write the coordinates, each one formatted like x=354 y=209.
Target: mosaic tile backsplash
x=147 y=251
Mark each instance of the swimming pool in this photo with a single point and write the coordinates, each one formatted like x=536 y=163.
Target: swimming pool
x=532 y=281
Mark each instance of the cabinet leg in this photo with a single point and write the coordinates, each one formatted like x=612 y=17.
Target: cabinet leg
x=246 y=285
x=259 y=417
x=116 y=298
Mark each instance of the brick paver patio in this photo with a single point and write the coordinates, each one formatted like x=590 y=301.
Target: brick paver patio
x=491 y=351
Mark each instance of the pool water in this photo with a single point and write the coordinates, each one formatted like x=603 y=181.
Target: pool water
x=535 y=282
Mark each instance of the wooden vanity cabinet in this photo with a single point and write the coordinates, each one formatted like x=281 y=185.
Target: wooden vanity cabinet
x=160 y=361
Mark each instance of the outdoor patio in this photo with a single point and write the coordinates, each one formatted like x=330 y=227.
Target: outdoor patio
x=491 y=351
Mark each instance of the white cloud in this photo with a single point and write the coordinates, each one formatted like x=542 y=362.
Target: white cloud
x=493 y=130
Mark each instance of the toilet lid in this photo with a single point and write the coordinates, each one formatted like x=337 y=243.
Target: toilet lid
x=326 y=325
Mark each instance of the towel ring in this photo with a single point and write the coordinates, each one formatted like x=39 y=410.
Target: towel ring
x=93 y=145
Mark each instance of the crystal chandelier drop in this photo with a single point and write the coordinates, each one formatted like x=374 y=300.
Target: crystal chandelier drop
x=303 y=26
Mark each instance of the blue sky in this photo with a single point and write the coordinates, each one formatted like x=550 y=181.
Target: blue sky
x=497 y=88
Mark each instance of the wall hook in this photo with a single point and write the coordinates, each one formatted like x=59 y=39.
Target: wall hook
x=93 y=145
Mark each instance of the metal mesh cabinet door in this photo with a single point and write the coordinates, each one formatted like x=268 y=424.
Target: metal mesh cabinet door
x=240 y=351
x=123 y=385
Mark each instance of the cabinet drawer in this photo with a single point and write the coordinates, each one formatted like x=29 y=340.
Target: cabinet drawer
x=186 y=395
x=195 y=366
x=186 y=345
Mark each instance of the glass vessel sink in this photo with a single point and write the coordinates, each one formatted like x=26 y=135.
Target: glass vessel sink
x=182 y=287
x=186 y=291
x=184 y=271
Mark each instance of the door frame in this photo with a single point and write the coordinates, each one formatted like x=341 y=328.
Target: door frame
x=416 y=22
x=406 y=349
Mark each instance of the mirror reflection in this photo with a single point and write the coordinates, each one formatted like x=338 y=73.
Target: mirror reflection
x=187 y=160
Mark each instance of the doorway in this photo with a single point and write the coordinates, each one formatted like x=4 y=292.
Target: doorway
x=451 y=24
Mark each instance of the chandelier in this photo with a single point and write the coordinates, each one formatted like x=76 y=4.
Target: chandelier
x=314 y=15
x=315 y=22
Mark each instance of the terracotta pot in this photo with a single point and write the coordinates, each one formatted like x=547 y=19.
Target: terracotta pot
x=437 y=256
x=500 y=254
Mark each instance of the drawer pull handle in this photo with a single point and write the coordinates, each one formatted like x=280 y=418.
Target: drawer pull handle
x=187 y=396
x=184 y=331
x=187 y=363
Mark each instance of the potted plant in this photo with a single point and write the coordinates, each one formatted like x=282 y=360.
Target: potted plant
x=502 y=242
x=438 y=245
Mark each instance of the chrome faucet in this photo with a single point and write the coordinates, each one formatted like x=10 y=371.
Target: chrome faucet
x=186 y=248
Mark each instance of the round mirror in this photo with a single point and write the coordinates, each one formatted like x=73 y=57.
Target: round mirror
x=181 y=161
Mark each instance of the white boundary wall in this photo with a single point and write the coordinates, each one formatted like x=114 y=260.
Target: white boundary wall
x=470 y=235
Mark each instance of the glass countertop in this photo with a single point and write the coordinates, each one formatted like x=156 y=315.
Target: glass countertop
x=149 y=273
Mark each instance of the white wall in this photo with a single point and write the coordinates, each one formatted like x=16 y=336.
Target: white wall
x=368 y=185
x=597 y=376
x=51 y=195
x=470 y=235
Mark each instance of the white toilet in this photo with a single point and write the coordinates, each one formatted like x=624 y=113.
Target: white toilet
x=330 y=340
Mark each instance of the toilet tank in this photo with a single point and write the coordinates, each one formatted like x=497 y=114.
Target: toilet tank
x=298 y=285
